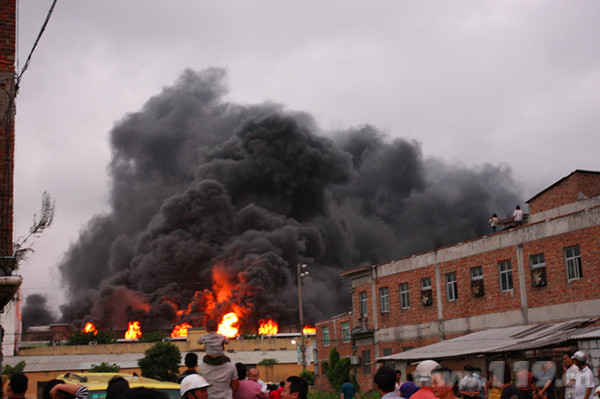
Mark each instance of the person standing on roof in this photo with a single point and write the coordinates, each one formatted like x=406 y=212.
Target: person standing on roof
x=518 y=216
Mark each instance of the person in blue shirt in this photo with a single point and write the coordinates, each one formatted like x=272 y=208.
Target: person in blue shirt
x=348 y=391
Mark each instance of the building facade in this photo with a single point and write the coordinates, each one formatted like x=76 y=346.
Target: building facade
x=544 y=271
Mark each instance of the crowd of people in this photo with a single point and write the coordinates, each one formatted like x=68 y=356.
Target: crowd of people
x=216 y=377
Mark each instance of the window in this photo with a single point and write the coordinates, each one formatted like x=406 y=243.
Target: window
x=362 y=300
x=451 y=287
x=505 y=274
x=538 y=270
x=366 y=360
x=477 y=288
x=573 y=263
x=345 y=331
x=387 y=351
x=325 y=331
x=384 y=296
x=404 y=296
x=426 y=292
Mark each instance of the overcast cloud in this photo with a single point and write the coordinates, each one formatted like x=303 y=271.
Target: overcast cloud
x=511 y=83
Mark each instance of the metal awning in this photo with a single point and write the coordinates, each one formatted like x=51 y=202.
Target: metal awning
x=499 y=340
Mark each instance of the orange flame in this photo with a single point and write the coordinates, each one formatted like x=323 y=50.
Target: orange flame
x=180 y=330
x=134 y=330
x=267 y=327
x=89 y=327
x=226 y=327
x=309 y=330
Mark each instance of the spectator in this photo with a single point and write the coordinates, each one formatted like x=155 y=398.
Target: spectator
x=117 y=387
x=295 y=388
x=248 y=388
x=191 y=362
x=385 y=382
x=17 y=386
x=443 y=383
x=348 y=391
x=194 y=386
x=408 y=387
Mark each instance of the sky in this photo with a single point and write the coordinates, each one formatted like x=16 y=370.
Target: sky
x=511 y=83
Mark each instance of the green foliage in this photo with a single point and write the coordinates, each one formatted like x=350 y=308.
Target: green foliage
x=83 y=338
x=354 y=382
x=337 y=369
x=268 y=362
x=105 y=368
x=9 y=370
x=155 y=336
x=323 y=395
x=308 y=376
x=161 y=362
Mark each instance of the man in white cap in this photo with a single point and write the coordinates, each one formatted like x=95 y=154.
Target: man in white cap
x=584 y=381
x=194 y=386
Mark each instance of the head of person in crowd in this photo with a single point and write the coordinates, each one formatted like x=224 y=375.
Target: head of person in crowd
x=241 y=371
x=212 y=326
x=147 y=393
x=385 y=380
x=194 y=386
x=444 y=383
x=398 y=375
x=18 y=385
x=567 y=361
x=117 y=387
x=477 y=370
x=295 y=388
x=253 y=374
x=191 y=360
x=580 y=358
x=423 y=372
x=468 y=369
x=409 y=377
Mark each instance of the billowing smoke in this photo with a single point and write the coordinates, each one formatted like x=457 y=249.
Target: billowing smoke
x=36 y=312
x=213 y=204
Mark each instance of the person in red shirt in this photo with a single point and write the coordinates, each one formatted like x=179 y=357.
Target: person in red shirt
x=423 y=372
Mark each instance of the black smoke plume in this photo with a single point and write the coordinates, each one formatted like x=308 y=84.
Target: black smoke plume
x=36 y=312
x=213 y=204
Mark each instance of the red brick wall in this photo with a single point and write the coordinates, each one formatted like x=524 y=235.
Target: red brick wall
x=567 y=191
x=7 y=137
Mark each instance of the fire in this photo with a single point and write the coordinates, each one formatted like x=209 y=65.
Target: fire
x=180 y=330
x=226 y=327
x=268 y=327
x=309 y=330
x=89 y=327
x=134 y=330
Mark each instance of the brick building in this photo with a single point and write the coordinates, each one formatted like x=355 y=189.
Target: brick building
x=544 y=271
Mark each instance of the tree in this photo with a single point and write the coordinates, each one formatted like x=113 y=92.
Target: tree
x=161 y=362
x=268 y=363
x=40 y=223
x=336 y=369
x=105 y=368
x=9 y=370
x=83 y=338
x=308 y=376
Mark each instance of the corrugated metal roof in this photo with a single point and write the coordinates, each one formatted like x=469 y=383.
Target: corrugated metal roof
x=128 y=360
x=498 y=340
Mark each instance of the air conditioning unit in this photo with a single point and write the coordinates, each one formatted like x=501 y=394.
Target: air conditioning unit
x=93 y=343
x=355 y=360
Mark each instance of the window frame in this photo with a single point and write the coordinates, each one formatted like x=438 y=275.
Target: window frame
x=384 y=299
x=404 y=302
x=573 y=262
x=451 y=286
x=363 y=304
x=505 y=273
x=325 y=333
x=345 y=327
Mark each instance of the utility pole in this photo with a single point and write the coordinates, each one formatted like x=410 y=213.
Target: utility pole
x=300 y=275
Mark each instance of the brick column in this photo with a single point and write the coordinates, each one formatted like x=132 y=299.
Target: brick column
x=8 y=29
